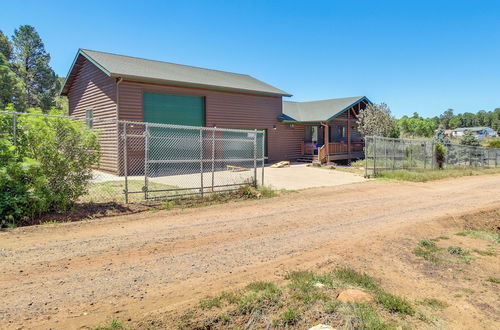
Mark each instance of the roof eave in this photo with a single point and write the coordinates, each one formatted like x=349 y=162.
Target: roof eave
x=63 y=90
x=195 y=85
x=364 y=98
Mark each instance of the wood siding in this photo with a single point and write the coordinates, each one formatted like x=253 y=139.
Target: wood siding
x=225 y=110
x=93 y=89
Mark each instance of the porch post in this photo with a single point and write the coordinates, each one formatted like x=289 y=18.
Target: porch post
x=349 y=136
x=327 y=142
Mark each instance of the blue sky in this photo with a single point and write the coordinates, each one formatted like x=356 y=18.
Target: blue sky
x=423 y=56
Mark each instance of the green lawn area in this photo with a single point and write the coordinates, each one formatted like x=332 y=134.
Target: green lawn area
x=421 y=175
x=112 y=191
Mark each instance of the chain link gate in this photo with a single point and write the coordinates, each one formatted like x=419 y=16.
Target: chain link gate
x=177 y=161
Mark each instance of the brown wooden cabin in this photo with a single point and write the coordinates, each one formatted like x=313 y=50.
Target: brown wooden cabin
x=330 y=130
x=116 y=87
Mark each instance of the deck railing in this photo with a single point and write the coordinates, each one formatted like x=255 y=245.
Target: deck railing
x=307 y=148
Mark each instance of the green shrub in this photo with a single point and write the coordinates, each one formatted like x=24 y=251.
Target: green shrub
x=56 y=153
x=439 y=154
x=493 y=143
x=22 y=186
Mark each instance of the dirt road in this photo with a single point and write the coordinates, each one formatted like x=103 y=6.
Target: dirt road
x=79 y=274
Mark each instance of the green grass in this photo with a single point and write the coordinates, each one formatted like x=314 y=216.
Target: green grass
x=289 y=317
x=427 y=250
x=421 y=175
x=112 y=325
x=299 y=302
x=433 y=303
x=112 y=191
x=392 y=303
x=494 y=280
x=481 y=234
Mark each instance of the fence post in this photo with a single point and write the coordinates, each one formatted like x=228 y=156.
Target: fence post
x=125 y=162
x=263 y=156
x=213 y=158
x=255 y=158
x=394 y=154
x=14 y=129
x=374 y=155
x=146 y=159
x=385 y=154
x=201 y=161
x=366 y=155
x=432 y=155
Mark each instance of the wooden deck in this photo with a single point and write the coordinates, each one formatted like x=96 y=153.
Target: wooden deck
x=332 y=151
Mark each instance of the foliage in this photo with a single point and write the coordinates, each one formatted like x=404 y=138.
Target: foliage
x=423 y=175
x=376 y=120
x=31 y=64
x=439 y=154
x=469 y=139
x=56 y=153
x=417 y=126
x=22 y=186
x=440 y=136
x=5 y=46
x=494 y=143
x=11 y=87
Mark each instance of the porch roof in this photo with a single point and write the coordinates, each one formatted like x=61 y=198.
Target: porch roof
x=318 y=111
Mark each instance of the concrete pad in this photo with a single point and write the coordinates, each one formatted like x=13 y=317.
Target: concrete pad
x=300 y=176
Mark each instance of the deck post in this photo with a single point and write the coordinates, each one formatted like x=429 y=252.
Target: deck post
x=326 y=142
x=349 y=135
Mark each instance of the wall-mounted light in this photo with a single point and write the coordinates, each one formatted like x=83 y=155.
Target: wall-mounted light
x=274 y=127
x=215 y=125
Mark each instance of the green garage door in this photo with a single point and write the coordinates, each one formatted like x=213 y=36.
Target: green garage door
x=173 y=144
x=174 y=109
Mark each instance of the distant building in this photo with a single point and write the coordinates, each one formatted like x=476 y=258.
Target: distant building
x=480 y=132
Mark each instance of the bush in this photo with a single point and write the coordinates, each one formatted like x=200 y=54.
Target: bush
x=495 y=143
x=22 y=186
x=439 y=154
x=52 y=155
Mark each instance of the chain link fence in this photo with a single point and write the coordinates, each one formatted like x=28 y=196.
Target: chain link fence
x=142 y=161
x=387 y=154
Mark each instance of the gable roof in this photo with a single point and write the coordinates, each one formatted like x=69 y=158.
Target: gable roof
x=316 y=111
x=134 y=68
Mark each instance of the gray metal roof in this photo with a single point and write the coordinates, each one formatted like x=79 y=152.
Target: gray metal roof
x=461 y=129
x=169 y=73
x=323 y=110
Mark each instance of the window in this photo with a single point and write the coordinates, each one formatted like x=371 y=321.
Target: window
x=89 y=117
x=341 y=131
x=311 y=134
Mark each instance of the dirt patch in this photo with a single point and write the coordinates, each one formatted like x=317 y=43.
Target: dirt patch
x=147 y=265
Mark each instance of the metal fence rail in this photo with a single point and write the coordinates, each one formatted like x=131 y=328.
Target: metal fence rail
x=146 y=161
x=386 y=154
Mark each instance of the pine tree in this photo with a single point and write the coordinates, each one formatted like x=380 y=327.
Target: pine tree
x=470 y=139
x=5 y=46
x=440 y=136
x=31 y=64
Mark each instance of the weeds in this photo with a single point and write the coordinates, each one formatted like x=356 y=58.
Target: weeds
x=494 y=280
x=289 y=317
x=350 y=276
x=113 y=325
x=490 y=252
x=210 y=303
x=433 y=303
x=457 y=250
x=481 y=234
x=422 y=175
x=426 y=249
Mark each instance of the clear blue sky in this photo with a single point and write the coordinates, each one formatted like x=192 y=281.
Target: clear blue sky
x=423 y=56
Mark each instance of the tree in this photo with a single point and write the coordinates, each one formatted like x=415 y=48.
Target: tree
x=376 y=120
x=446 y=117
x=5 y=46
x=31 y=64
x=11 y=87
x=470 y=139
x=440 y=137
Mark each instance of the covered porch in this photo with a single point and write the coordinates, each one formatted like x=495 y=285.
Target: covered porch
x=343 y=142
x=330 y=129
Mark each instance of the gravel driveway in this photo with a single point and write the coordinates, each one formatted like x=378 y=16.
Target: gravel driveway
x=71 y=275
